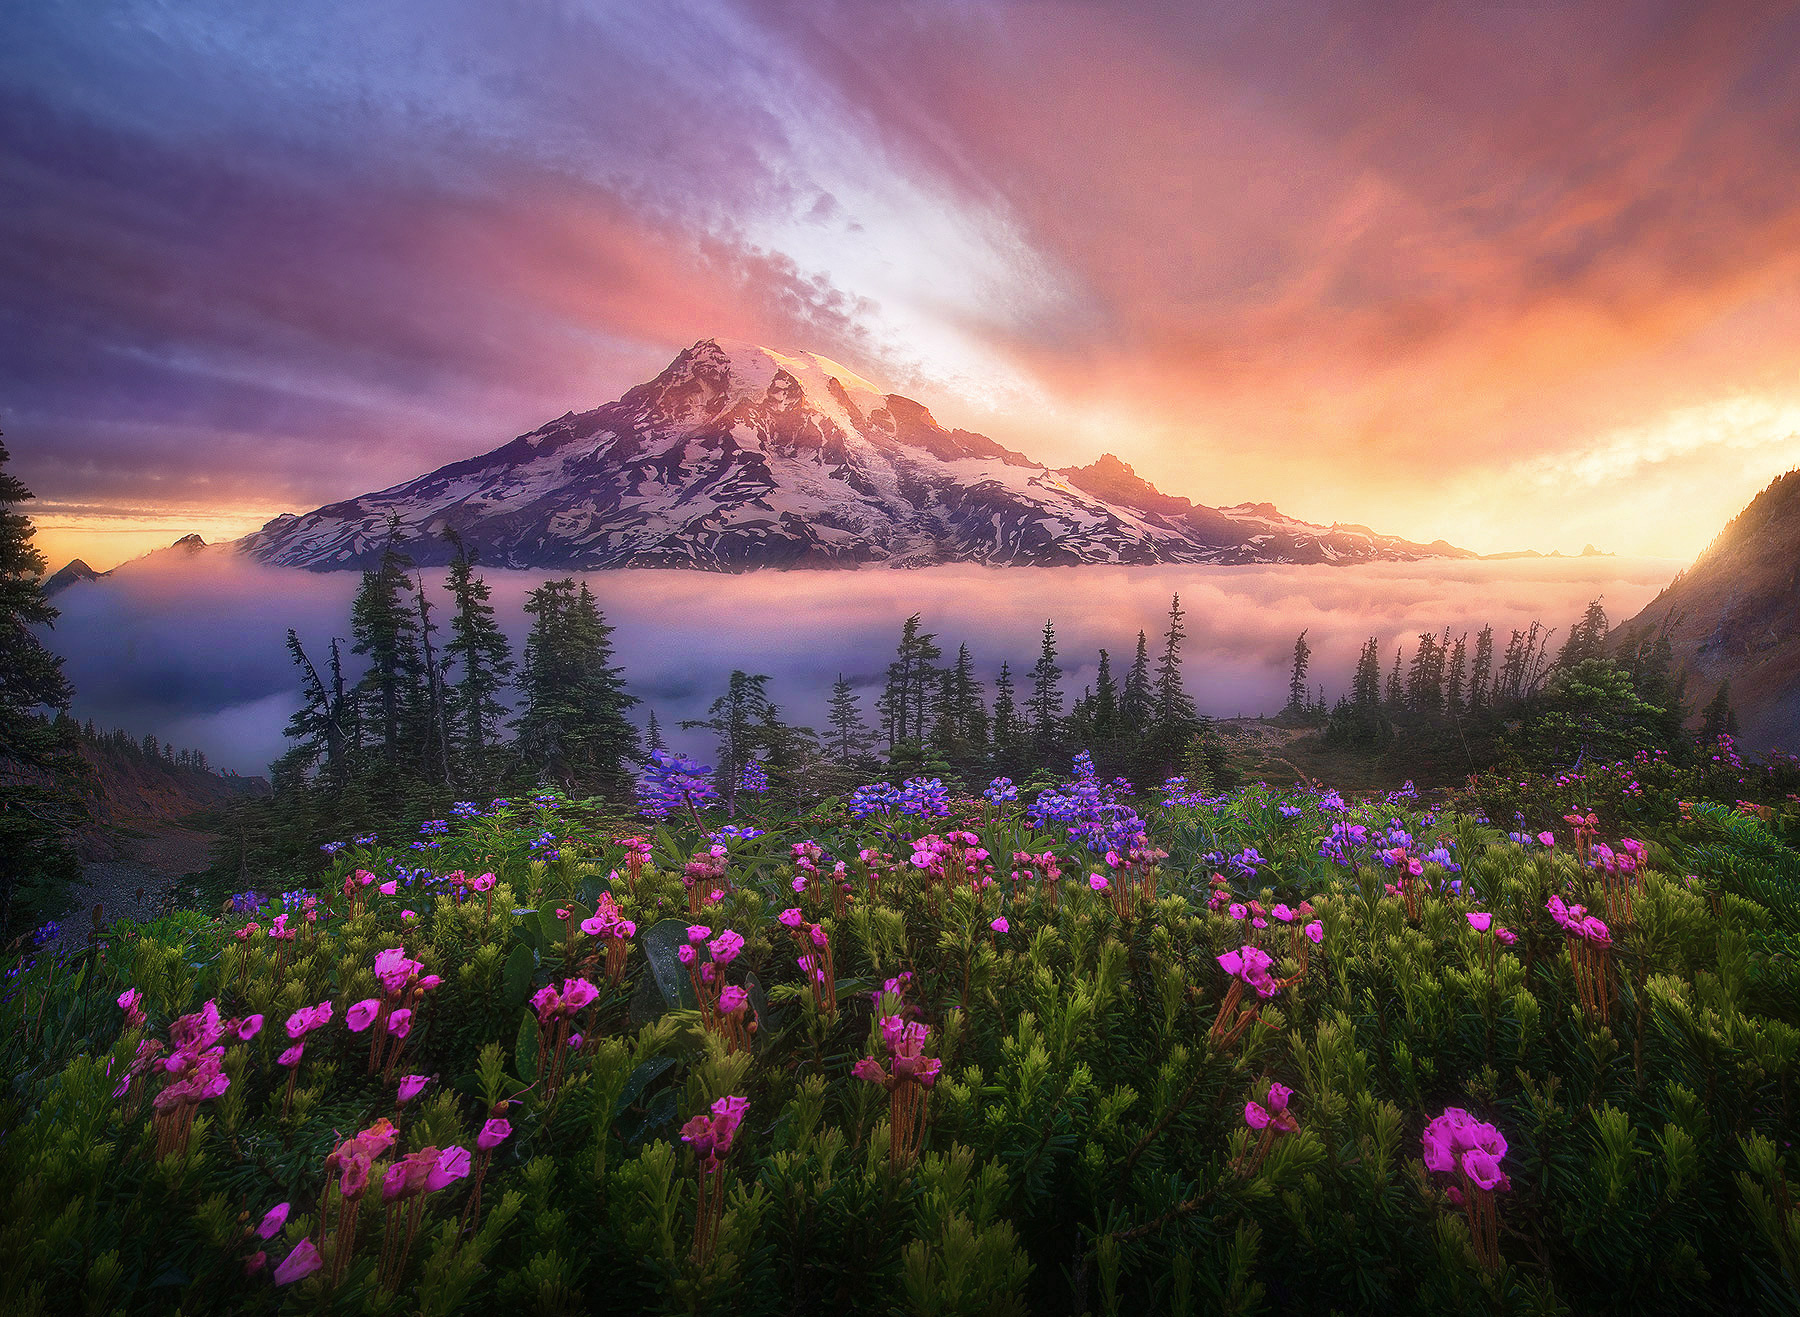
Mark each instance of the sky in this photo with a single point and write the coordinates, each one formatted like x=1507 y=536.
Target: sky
x=1516 y=275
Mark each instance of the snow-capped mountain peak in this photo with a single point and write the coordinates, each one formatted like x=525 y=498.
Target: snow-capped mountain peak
x=738 y=456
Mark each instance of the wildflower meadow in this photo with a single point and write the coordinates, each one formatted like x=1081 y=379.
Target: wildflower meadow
x=1526 y=1047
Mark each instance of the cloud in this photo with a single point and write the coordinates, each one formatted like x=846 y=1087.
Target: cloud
x=1381 y=263
x=193 y=648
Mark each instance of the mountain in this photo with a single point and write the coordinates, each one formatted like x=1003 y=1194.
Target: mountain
x=70 y=573
x=1735 y=616
x=738 y=457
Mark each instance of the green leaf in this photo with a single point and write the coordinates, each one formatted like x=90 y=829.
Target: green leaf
x=515 y=979
x=660 y=945
x=525 y=1048
x=641 y=1079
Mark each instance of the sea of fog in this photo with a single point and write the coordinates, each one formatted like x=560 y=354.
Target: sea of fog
x=192 y=648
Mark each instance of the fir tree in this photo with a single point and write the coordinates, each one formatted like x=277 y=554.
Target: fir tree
x=744 y=720
x=1173 y=706
x=1105 y=715
x=905 y=703
x=1007 y=731
x=382 y=623
x=484 y=659
x=1366 y=685
x=1481 y=668
x=653 y=737
x=850 y=740
x=1587 y=638
x=39 y=763
x=1455 y=694
x=573 y=726
x=1134 y=699
x=1297 y=678
x=1719 y=718
x=1046 y=702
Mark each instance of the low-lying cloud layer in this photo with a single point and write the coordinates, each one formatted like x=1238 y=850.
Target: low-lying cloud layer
x=193 y=649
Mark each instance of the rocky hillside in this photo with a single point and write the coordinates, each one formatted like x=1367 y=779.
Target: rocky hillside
x=1735 y=616
x=738 y=457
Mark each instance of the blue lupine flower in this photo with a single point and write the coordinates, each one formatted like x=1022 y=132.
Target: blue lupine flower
x=1001 y=791
x=369 y=840
x=924 y=797
x=670 y=782
x=875 y=798
x=246 y=903
x=753 y=777
x=46 y=932
x=332 y=847
x=433 y=828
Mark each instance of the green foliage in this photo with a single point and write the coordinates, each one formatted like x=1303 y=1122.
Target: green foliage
x=1087 y=1146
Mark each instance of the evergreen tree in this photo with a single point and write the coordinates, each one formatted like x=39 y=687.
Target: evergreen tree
x=1481 y=670
x=905 y=703
x=744 y=720
x=971 y=711
x=1007 y=731
x=1366 y=685
x=1105 y=715
x=1719 y=718
x=850 y=740
x=1173 y=705
x=1134 y=699
x=386 y=633
x=321 y=725
x=1046 y=702
x=1395 y=694
x=1587 y=638
x=573 y=726
x=40 y=768
x=653 y=737
x=436 y=744
x=1455 y=683
x=483 y=658
x=1297 y=679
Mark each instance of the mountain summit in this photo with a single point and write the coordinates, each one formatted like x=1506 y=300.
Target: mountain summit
x=738 y=457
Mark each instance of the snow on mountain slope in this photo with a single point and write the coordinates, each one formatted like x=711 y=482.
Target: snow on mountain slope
x=738 y=457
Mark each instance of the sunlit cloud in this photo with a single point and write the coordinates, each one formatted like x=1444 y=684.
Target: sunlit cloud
x=1513 y=276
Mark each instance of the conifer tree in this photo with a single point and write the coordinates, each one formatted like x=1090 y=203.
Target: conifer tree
x=1297 y=678
x=383 y=625
x=1173 y=705
x=573 y=726
x=744 y=720
x=1007 y=732
x=436 y=743
x=1719 y=718
x=653 y=737
x=1046 y=702
x=1481 y=668
x=1455 y=681
x=849 y=740
x=1587 y=638
x=1134 y=699
x=905 y=703
x=1105 y=716
x=40 y=807
x=1395 y=693
x=1366 y=685
x=483 y=658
